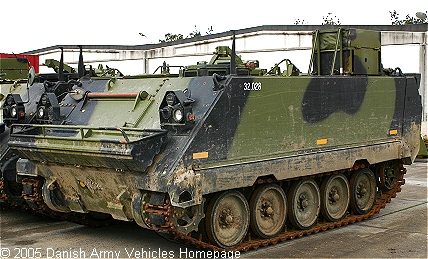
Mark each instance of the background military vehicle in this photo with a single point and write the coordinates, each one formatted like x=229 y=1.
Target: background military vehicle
x=36 y=99
x=14 y=71
x=13 y=74
x=243 y=157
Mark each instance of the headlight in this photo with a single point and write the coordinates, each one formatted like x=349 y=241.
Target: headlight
x=13 y=112
x=41 y=112
x=176 y=111
x=166 y=112
x=178 y=115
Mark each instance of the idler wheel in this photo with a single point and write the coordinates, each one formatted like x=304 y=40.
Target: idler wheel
x=53 y=197
x=227 y=219
x=363 y=192
x=268 y=210
x=334 y=197
x=304 y=203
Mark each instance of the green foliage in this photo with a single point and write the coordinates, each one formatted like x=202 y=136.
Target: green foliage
x=299 y=22
x=210 y=30
x=172 y=37
x=422 y=18
x=328 y=20
x=195 y=33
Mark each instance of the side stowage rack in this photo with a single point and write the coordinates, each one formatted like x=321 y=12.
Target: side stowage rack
x=128 y=149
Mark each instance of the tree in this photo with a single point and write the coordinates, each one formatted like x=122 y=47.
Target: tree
x=195 y=33
x=172 y=37
x=210 y=30
x=327 y=20
x=419 y=19
x=299 y=22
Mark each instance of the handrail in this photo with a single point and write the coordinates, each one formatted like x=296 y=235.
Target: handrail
x=112 y=95
x=339 y=36
x=81 y=130
x=314 y=43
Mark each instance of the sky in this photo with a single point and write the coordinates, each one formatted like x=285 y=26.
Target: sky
x=29 y=25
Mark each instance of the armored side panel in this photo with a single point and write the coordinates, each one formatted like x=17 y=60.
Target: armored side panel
x=295 y=127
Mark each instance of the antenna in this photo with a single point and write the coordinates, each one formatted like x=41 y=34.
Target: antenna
x=233 y=57
x=61 y=66
x=81 y=66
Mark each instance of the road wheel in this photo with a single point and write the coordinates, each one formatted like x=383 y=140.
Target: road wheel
x=334 y=197
x=268 y=210
x=363 y=191
x=227 y=219
x=304 y=203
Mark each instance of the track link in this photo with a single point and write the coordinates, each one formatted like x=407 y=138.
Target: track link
x=383 y=197
x=3 y=195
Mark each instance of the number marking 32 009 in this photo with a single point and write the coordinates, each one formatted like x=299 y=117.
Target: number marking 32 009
x=253 y=86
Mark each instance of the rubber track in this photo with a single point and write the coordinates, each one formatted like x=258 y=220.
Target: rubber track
x=250 y=243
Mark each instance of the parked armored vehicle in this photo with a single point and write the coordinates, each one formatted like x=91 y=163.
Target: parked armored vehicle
x=13 y=74
x=14 y=70
x=36 y=99
x=243 y=157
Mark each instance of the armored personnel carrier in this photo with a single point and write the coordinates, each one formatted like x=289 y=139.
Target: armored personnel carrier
x=228 y=156
x=14 y=70
x=39 y=98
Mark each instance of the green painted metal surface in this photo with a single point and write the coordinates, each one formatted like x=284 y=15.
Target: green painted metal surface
x=272 y=123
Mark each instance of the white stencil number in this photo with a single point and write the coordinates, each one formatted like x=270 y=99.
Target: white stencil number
x=253 y=86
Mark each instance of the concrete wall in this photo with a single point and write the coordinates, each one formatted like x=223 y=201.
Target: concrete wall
x=402 y=46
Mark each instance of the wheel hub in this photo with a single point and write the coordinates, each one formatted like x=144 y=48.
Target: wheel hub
x=333 y=195
x=226 y=218
x=267 y=210
x=390 y=173
x=303 y=202
x=361 y=190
